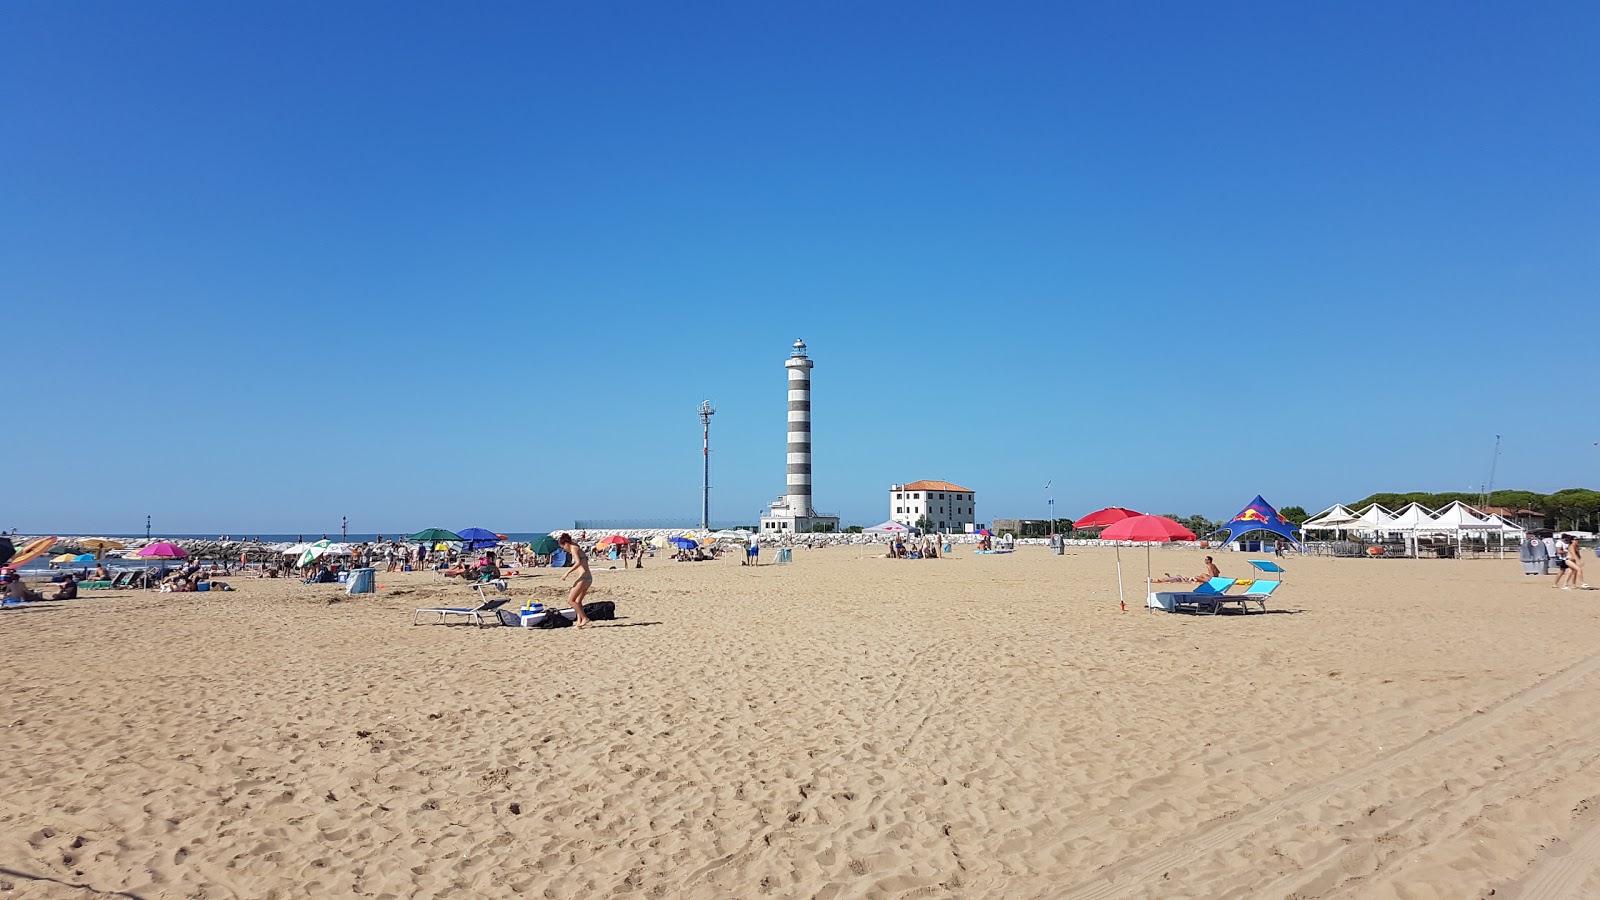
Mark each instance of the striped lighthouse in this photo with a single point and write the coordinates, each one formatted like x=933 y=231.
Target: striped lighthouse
x=794 y=511
x=798 y=493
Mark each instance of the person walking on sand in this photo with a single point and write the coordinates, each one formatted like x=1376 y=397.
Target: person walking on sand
x=1573 y=572
x=580 y=565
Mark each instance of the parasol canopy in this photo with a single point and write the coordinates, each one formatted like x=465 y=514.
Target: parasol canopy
x=477 y=538
x=1146 y=528
x=1150 y=529
x=99 y=544
x=684 y=543
x=31 y=551
x=163 y=550
x=64 y=558
x=1103 y=517
x=544 y=545
x=84 y=557
x=314 y=552
x=613 y=539
x=434 y=534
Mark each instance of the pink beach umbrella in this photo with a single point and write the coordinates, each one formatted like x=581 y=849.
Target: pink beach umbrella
x=163 y=550
x=1152 y=529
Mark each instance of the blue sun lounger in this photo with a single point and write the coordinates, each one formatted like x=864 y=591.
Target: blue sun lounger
x=1203 y=598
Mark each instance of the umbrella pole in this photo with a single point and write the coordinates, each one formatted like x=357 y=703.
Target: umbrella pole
x=1147 y=574
x=1120 y=597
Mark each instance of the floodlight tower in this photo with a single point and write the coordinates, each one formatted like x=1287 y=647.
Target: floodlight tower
x=706 y=412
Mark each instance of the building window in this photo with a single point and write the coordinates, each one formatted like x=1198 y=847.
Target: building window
x=916 y=496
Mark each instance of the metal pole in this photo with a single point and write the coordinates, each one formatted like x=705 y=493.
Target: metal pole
x=706 y=412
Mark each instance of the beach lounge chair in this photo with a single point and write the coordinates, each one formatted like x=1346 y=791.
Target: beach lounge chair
x=481 y=615
x=1259 y=590
x=1203 y=599
x=1257 y=593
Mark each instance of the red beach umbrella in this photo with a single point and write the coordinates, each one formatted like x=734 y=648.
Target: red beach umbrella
x=1151 y=529
x=1103 y=517
x=614 y=539
x=1146 y=528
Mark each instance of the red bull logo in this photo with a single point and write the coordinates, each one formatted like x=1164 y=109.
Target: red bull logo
x=1252 y=515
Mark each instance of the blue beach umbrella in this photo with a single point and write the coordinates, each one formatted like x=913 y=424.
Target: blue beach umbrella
x=478 y=538
x=683 y=543
x=86 y=557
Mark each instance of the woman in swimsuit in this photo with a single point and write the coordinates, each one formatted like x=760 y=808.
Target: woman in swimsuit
x=580 y=566
x=1574 y=569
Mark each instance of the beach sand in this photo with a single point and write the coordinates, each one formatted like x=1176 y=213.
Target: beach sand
x=844 y=726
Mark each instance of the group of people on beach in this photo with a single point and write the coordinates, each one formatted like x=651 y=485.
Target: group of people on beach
x=925 y=547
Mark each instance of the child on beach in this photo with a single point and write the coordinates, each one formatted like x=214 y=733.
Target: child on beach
x=580 y=566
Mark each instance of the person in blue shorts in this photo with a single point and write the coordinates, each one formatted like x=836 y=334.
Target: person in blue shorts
x=753 y=553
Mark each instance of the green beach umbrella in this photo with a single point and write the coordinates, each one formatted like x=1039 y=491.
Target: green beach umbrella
x=543 y=545
x=313 y=552
x=434 y=534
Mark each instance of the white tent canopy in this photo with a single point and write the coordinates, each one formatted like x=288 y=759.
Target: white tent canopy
x=1504 y=526
x=1373 y=518
x=1337 y=516
x=1460 y=517
x=890 y=527
x=1411 y=517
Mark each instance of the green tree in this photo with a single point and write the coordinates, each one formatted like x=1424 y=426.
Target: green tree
x=925 y=524
x=1295 y=514
x=853 y=529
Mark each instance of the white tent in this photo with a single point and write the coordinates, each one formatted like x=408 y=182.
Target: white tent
x=1335 y=517
x=890 y=527
x=1411 y=517
x=1460 y=517
x=1373 y=518
x=1506 y=528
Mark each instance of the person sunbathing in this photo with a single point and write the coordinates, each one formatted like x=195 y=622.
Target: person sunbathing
x=457 y=570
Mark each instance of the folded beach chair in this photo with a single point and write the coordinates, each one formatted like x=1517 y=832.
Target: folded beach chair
x=498 y=585
x=123 y=579
x=481 y=615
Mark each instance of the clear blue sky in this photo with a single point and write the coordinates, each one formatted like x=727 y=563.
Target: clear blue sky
x=475 y=264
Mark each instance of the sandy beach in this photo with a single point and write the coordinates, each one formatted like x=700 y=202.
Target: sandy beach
x=844 y=726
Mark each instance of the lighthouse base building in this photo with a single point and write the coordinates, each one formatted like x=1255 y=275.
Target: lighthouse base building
x=793 y=513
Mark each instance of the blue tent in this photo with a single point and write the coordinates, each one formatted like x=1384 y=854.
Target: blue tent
x=1260 y=516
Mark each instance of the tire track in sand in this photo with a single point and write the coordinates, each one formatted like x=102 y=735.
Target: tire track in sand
x=1113 y=880
x=1560 y=875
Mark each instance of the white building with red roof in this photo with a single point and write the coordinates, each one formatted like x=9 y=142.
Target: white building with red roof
x=945 y=506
